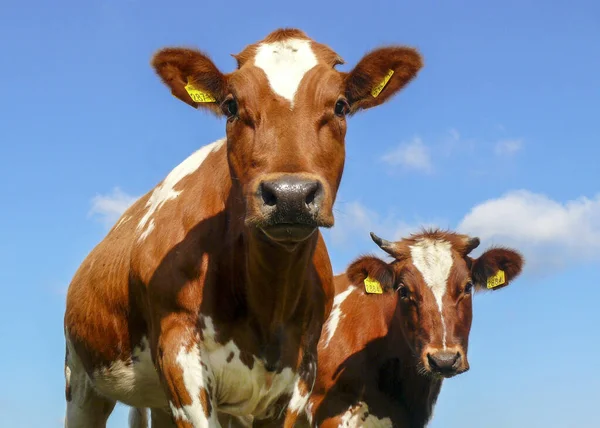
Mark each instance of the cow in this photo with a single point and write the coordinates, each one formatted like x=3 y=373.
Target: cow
x=208 y=296
x=398 y=329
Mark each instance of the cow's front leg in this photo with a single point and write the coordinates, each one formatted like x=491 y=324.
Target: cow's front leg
x=187 y=376
x=302 y=389
x=307 y=370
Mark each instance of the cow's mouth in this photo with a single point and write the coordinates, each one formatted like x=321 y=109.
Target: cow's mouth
x=289 y=234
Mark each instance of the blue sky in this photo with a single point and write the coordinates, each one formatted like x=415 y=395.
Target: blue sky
x=498 y=137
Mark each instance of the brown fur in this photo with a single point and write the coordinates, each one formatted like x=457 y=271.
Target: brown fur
x=376 y=354
x=208 y=254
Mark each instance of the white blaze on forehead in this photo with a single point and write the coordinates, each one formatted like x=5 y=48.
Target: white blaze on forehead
x=166 y=190
x=433 y=258
x=336 y=314
x=285 y=63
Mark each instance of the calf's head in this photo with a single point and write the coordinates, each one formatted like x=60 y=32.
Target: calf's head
x=435 y=280
x=286 y=107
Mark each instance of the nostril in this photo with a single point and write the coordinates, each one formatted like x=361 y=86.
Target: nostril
x=457 y=358
x=313 y=191
x=268 y=195
x=431 y=361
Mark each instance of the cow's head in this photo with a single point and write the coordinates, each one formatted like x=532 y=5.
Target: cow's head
x=435 y=280
x=286 y=107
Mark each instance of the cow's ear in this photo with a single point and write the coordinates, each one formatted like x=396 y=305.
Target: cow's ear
x=379 y=75
x=496 y=268
x=371 y=273
x=192 y=77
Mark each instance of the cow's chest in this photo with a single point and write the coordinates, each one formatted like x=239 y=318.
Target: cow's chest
x=242 y=384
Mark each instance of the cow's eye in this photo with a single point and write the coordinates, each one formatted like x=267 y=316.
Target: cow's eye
x=403 y=292
x=230 y=107
x=341 y=108
x=469 y=288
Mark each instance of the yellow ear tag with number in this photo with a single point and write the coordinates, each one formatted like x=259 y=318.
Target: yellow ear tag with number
x=496 y=280
x=197 y=95
x=377 y=89
x=372 y=286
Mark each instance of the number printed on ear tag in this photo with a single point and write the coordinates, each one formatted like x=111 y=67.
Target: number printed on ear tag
x=377 y=89
x=496 y=280
x=197 y=95
x=372 y=286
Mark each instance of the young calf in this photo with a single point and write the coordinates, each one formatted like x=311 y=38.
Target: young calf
x=383 y=357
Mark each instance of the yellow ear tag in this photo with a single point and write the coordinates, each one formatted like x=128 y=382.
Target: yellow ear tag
x=377 y=89
x=197 y=95
x=372 y=286
x=496 y=280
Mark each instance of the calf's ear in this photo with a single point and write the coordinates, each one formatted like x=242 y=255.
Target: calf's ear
x=192 y=77
x=371 y=273
x=379 y=75
x=496 y=268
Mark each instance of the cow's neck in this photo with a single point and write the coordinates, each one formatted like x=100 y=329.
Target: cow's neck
x=275 y=280
x=270 y=281
x=417 y=393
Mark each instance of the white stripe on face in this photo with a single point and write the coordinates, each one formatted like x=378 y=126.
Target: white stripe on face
x=433 y=258
x=285 y=63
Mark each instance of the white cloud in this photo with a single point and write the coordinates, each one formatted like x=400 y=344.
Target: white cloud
x=412 y=155
x=353 y=220
x=508 y=147
x=109 y=207
x=550 y=234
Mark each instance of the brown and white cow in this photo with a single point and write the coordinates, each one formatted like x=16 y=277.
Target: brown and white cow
x=382 y=357
x=208 y=296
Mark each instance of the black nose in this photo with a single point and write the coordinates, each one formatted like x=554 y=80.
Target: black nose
x=291 y=199
x=444 y=362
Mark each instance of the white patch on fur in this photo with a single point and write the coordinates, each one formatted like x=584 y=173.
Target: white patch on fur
x=68 y=375
x=240 y=391
x=195 y=378
x=165 y=191
x=433 y=258
x=298 y=401
x=147 y=231
x=285 y=63
x=309 y=412
x=355 y=417
x=123 y=220
x=134 y=382
x=178 y=413
x=336 y=314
